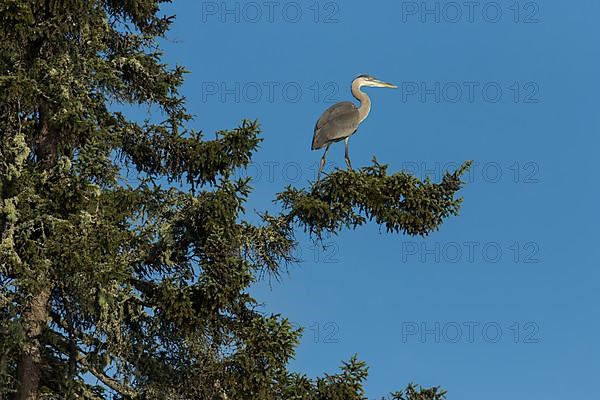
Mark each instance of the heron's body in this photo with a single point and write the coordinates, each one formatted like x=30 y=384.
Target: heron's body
x=337 y=123
x=341 y=120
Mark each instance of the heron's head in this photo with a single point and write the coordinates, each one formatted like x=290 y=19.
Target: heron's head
x=368 y=80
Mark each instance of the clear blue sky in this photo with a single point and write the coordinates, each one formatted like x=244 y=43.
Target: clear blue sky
x=523 y=254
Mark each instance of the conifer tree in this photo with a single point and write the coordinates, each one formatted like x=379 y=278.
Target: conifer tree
x=125 y=254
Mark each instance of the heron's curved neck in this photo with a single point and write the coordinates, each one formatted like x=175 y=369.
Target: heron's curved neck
x=365 y=101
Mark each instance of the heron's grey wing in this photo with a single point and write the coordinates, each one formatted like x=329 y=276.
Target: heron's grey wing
x=335 y=110
x=337 y=122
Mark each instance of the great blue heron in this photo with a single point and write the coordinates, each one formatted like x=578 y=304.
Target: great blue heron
x=341 y=120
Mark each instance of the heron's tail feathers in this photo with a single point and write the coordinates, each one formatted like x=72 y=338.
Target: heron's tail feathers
x=317 y=142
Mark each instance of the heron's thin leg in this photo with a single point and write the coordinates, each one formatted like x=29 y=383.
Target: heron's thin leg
x=323 y=161
x=347 y=157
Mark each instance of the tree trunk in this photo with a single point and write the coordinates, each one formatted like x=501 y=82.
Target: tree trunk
x=36 y=314
x=28 y=371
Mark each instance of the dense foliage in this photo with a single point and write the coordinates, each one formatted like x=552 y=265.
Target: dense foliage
x=125 y=258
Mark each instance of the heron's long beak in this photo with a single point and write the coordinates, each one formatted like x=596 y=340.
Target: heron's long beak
x=386 y=85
